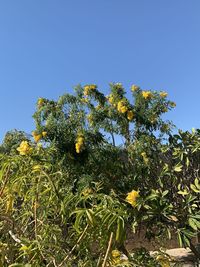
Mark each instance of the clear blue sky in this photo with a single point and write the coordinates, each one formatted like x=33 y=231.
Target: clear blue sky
x=48 y=46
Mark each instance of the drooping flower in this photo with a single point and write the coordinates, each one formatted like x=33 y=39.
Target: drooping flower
x=147 y=94
x=130 y=115
x=24 y=148
x=44 y=133
x=36 y=136
x=79 y=144
x=132 y=197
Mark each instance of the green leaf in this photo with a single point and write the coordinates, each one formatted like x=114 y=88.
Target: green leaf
x=193 y=187
x=184 y=193
x=196 y=182
x=178 y=168
x=192 y=224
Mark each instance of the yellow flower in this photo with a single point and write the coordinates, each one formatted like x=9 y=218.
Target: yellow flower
x=130 y=115
x=79 y=144
x=93 y=86
x=36 y=136
x=147 y=94
x=163 y=94
x=78 y=148
x=121 y=107
x=88 y=88
x=80 y=140
x=134 y=88
x=44 y=134
x=145 y=158
x=24 y=148
x=40 y=102
x=115 y=253
x=132 y=197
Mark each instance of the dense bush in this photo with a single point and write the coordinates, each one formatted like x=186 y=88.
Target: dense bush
x=95 y=165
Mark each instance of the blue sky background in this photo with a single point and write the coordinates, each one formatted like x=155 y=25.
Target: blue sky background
x=49 y=46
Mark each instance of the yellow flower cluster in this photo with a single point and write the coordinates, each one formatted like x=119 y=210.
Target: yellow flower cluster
x=163 y=94
x=24 y=148
x=132 y=197
x=134 y=88
x=90 y=118
x=37 y=137
x=88 y=88
x=115 y=256
x=79 y=144
x=121 y=107
x=147 y=94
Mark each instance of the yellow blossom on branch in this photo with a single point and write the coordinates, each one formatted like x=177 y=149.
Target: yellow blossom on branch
x=130 y=115
x=115 y=253
x=40 y=102
x=24 y=148
x=44 y=134
x=36 y=136
x=147 y=94
x=134 y=88
x=132 y=197
x=88 y=88
x=121 y=107
x=79 y=144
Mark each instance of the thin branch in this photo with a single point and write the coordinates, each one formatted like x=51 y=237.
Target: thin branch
x=108 y=249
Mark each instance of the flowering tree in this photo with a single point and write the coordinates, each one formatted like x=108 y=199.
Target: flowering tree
x=69 y=194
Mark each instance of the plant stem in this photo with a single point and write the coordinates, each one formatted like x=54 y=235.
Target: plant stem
x=108 y=249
